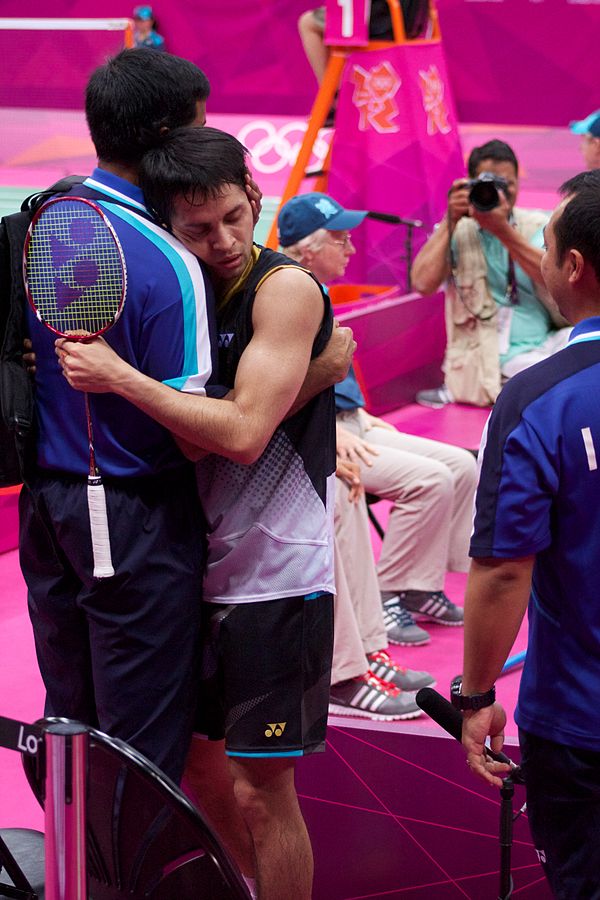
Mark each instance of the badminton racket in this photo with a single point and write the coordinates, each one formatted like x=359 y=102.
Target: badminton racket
x=76 y=281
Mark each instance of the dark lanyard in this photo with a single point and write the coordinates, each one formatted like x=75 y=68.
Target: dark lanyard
x=512 y=289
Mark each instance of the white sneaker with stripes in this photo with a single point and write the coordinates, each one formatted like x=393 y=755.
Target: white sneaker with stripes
x=433 y=606
x=368 y=697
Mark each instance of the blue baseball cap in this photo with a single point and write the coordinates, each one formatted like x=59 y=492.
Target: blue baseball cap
x=591 y=125
x=143 y=12
x=306 y=213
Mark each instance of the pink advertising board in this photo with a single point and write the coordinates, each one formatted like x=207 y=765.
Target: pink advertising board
x=396 y=150
x=509 y=61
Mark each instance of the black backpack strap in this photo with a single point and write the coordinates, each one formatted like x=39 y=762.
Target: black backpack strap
x=34 y=201
x=16 y=388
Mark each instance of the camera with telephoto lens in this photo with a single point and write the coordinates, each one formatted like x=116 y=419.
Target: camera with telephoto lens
x=484 y=191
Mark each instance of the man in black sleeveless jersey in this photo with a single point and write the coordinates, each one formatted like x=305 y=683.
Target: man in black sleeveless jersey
x=267 y=498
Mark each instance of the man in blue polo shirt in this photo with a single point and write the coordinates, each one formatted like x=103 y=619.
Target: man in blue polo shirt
x=120 y=653
x=536 y=544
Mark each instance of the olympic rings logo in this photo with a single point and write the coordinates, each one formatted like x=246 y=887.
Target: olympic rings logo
x=273 y=149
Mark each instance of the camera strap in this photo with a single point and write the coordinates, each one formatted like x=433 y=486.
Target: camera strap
x=512 y=288
x=453 y=263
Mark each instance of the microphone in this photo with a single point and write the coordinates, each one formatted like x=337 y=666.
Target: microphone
x=394 y=220
x=450 y=719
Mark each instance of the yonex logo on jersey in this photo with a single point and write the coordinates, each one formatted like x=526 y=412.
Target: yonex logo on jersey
x=225 y=339
x=275 y=729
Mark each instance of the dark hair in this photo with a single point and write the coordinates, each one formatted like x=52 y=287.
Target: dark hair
x=134 y=96
x=496 y=150
x=589 y=178
x=578 y=226
x=195 y=163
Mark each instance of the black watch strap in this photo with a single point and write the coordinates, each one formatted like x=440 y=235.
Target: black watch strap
x=471 y=701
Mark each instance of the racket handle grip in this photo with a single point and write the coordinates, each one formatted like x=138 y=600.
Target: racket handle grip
x=103 y=567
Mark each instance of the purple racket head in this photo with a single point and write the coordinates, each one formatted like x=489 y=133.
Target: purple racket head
x=74 y=268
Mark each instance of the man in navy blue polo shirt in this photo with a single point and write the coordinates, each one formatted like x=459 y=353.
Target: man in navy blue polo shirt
x=536 y=545
x=120 y=653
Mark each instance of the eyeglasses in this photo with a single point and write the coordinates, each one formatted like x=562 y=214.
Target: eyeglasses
x=346 y=241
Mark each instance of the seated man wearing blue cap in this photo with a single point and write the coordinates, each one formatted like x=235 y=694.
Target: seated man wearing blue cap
x=589 y=128
x=144 y=30
x=431 y=485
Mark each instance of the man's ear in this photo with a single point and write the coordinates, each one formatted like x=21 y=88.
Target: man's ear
x=576 y=264
x=307 y=257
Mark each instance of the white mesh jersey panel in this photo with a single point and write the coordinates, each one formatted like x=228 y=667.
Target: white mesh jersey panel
x=269 y=532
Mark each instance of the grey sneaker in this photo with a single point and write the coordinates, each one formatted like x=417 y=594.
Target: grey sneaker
x=432 y=605
x=400 y=626
x=435 y=398
x=368 y=697
x=382 y=665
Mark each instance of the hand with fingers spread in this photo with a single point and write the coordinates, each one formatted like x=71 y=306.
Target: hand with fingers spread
x=477 y=726
x=353 y=448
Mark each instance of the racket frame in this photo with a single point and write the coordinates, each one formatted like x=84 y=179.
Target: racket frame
x=74 y=336
x=103 y=567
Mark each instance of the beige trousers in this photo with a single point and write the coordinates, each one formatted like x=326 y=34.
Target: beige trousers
x=358 y=618
x=432 y=487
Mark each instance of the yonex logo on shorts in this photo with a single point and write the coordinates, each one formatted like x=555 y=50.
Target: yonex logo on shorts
x=275 y=728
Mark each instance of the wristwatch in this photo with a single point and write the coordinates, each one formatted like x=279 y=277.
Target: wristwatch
x=470 y=701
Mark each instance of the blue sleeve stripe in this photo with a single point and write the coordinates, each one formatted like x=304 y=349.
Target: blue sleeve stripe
x=189 y=384
x=197 y=365
x=111 y=192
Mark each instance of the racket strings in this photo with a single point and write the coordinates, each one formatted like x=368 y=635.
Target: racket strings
x=74 y=269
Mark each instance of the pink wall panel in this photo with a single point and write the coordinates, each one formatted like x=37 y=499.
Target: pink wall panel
x=511 y=61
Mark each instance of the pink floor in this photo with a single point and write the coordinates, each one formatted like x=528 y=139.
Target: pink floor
x=21 y=692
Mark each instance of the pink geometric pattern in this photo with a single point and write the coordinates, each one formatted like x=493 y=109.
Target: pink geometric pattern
x=397 y=815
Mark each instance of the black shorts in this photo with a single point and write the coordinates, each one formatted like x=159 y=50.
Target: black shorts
x=266 y=670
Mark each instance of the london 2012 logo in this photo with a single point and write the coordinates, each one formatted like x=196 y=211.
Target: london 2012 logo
x=432 y=91
x=374 y=97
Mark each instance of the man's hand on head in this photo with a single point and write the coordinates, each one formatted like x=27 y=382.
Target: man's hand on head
x=254 y=196
x=91 y=366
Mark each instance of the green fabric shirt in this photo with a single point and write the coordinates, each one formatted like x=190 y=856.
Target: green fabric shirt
x=530 y=322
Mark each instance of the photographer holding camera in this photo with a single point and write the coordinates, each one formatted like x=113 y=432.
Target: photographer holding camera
x=499 y=317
